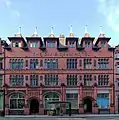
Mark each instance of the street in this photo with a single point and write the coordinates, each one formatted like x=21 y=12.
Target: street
x=51 y=118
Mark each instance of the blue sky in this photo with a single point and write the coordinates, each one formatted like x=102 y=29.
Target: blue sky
x=61 y=14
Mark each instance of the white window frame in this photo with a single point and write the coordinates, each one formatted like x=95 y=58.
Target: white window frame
x=33 y=44
x=14 y=44
x=117 y=55
x=17 y=101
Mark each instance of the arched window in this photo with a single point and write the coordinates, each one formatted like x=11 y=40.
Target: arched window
x=16 y=80
x=13 y=63
x=51 y=97
x=20 y=80
x=12 y=79
x=48 y=64
x=36 y=64
x=17 y=101
x=19 y=61
x=31 y=64
x=16 y=64
x=34 y=80
x=22 y=64
x=10 y=62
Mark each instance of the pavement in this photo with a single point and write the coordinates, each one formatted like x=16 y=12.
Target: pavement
x=65 y=117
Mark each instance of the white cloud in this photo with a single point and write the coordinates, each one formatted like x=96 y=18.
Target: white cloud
x=16 y=13
x=8 y=4
x=110 y=9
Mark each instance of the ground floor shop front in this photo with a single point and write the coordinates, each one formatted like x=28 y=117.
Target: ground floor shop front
x=37 y=101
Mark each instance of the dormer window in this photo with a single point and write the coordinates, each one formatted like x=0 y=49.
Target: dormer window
x=117 y=55
x=16 y=44
x=51 y=44
x=71 y=44
x=87 y=44
x=103 y=43
x=34 y=44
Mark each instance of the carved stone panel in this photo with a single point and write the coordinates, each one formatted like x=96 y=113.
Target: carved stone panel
x=46 y=91
x=33 y=93
x=88 y=92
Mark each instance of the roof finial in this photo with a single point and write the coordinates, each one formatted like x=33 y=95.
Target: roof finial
x=19 y=33
x=51 y=33
x=71 y=29
x=113 y=45
x=71 y=32
x=86 y=31
x=101 y=30
x=51 y=29
x=35 y=32
x=101 y=34
x=19 y=30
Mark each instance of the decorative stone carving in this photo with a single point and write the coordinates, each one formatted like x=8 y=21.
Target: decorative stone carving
x=26 y=105
x=6 y=105
x=41 y=105
x=81 y=84
x=62 y=84
x=95 y=105
x=112 y=105
x=111 y=84
x=80 y=105
x=95 y=84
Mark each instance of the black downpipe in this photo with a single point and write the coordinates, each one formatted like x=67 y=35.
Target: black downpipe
x=69 y=109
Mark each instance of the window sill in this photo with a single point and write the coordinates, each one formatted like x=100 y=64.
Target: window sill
x=17 y=86
x=51 y=86
x=71 y=85
x=103 y=108
x=117 y=73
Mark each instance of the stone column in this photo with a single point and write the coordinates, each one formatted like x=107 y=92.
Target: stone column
x=116 y=103
x=63 y=92
x=95 y=91
x=112 y=91
x=6 y=103
x=94 y=104
x=63 y=97
x=41 y=102
x=81 y=106
x=112 y=107
x=26 y=107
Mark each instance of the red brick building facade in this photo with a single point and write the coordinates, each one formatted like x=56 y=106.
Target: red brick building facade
x=1 y=77
x=116 y=78
x=71 y=69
